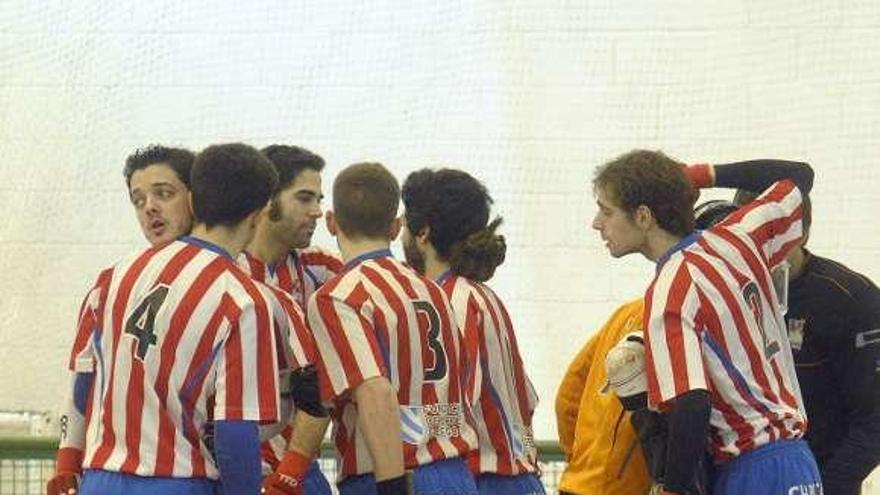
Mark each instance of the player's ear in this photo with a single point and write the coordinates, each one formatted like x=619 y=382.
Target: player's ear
x=394 y=229
x=424 y=235
x=330 y=219
x=643 y=217
x=189 y=204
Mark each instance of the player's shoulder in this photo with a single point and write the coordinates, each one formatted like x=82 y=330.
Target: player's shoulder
x=319 y=257
x=835 y=279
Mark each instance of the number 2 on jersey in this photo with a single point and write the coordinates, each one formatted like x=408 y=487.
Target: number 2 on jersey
x=438 y=370
x=140 y=323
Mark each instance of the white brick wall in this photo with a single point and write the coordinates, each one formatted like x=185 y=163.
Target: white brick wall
x=528 y=96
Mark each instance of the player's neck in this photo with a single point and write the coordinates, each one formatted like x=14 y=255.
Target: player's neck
x=434 y=268
x=658 y=242
x=231 y=239
x=797 y=261
x=352 y=248
x=265 y=248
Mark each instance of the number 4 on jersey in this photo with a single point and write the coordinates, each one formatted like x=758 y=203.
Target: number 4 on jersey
x=140 y=323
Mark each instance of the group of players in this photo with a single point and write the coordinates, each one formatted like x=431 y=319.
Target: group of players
x=242 y=343
x=744 y=342
x=214 y=360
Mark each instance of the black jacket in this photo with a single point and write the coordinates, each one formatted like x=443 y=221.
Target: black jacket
x=833 y=323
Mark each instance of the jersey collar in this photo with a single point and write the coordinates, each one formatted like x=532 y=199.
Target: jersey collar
x=210 y=246
x=444 y=277
x=678 y=246
x=371 y=255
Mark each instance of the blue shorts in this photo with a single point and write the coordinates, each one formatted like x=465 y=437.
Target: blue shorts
x=316 y=483
x=100 y=482
x=523 y=484
x=785 y=467
x=446 y=477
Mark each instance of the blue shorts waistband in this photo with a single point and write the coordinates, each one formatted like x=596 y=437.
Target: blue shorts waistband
x=763 y=451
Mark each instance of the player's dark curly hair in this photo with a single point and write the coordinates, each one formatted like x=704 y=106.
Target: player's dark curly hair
x=455 y=207
x=229 y=182
x=650 y=178
x=180 y=160
x=290 y=161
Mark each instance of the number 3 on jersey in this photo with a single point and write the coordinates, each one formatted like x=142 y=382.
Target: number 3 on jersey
x=751 y=295
x=140 y=323
x=437 y=370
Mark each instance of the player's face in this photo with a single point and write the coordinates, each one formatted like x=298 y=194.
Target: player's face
x=414 y=257
x=160 y=202
x=617 y=228
x=297 y=209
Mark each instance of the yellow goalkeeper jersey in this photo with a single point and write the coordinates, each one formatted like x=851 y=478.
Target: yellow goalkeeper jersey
x=595 y=433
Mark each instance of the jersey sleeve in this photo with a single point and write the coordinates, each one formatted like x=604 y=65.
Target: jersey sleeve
x=83 y=354
x=772 y=221
x=347 y=345
x=246 y=382
x=297 y=339
x=673 y=353
x=469 y=320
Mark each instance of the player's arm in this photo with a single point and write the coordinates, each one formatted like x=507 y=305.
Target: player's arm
x=752 y=175
x=688 y=420
x=676 y=373
x=568 y=397
x=379 y=423
x=68 y=461
x=341 y=332
x=246 y=391
x=309 y=423
x=859 y=451
x=773 y=221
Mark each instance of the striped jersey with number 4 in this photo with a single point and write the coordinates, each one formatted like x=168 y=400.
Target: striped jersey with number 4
x=381 y=318
x=503 y=396
x=713 y=323
x=176 y=335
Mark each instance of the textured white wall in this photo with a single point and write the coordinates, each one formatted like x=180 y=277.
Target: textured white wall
x=529 y=97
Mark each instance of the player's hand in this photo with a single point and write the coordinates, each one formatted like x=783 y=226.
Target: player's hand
x=289 y=477
x=701 y=175
x=280 y=484
x=306 y=392
x=657 y=489
x=68 y=466
x=63 y=484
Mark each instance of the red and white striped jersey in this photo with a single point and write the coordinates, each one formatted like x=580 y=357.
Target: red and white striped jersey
x=713 y=324
x=199 y=345
x=503 y=399
x=301 y=273
x=381 y=318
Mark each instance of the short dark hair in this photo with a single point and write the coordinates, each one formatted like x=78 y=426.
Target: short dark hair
x=229 y=182
x=743 y=197
x=290 y=161
x=712 y=212
x=652 y=179
x=455 y=207
x=365 y=200
x=180 y=160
